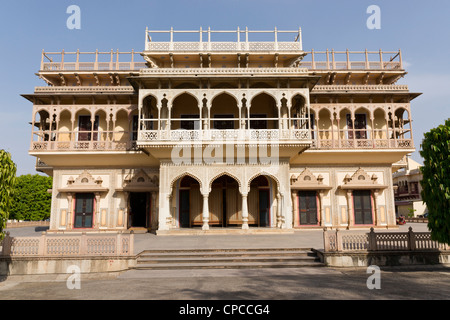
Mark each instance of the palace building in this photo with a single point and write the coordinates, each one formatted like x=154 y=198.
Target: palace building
x=210 y=130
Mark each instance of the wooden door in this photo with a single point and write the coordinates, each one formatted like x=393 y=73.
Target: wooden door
x=362 y=204
x=308 y=207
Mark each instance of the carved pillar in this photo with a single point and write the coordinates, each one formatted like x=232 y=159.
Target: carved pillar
x=349 y=208
x=372 y=123
x=294 y=194
x=321 y=213
x=127 y=209
x=280 y=213
x=70 y=200
x=244 y=212
x=375 y=193
x=205 y=212
x=97 y=210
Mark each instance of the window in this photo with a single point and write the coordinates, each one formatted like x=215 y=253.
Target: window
x=135 y=127
x=190 y=124
x=85 y=128
x=223 y=124
x=362 y=207
x=359 y=127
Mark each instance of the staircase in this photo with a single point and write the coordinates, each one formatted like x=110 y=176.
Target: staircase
x=227 y=259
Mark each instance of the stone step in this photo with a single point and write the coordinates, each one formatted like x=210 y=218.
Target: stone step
x=236 y=258
x=225 y=259
x=220 y=250
x=215 y=254
x=228 y=265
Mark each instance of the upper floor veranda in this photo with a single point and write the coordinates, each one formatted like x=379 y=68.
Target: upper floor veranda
x=216 y=85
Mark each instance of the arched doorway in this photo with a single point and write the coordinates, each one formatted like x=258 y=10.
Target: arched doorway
x=225 y=202
x=259 y=202
x=190 y=204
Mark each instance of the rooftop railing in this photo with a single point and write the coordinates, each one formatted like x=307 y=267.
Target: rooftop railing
x=239 y=41
x=313 y=61
x=353 y=60
x=96 y=61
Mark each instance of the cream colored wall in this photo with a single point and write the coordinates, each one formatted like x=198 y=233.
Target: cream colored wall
x=65 y=124
x=335 y=200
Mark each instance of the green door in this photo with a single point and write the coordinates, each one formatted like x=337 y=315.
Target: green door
x=84 y=210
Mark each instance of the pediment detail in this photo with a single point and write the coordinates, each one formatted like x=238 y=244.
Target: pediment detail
x=308 y=181
x=85 y=182
x=140 y=180
x=361 y=180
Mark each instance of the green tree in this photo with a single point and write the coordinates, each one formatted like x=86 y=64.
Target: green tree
x=7 y=182
x=32 y=201
x=436 y=181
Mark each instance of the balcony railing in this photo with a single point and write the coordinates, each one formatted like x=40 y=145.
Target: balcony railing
x=62 y=141
x=66 y=141
x=252 y=135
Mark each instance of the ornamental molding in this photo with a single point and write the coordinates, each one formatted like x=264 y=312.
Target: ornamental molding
x=85 y=182
x=361 y=180
x=308 y=181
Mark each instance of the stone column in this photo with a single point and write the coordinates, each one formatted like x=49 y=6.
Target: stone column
x=97 y=211
x=375 y=207
x=296 y=217
x=279 y=212
x=349 y=208
x=244 y=212
x=70 y=200
x=205 y=212
x=321 y=213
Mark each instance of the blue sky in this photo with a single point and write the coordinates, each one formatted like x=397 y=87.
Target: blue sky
x=420 y=28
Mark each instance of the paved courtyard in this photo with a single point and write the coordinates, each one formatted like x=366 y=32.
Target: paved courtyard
x=401 y=283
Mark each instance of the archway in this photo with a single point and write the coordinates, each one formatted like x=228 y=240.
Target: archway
x=224 y=113
x=225 y=202
x=260 y=202
x=189 y=204
x=264 y=112
x=185 y=113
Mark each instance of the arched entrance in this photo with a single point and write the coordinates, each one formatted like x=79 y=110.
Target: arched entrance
x=189 y=203
x=260 y=202
x=225 y=202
